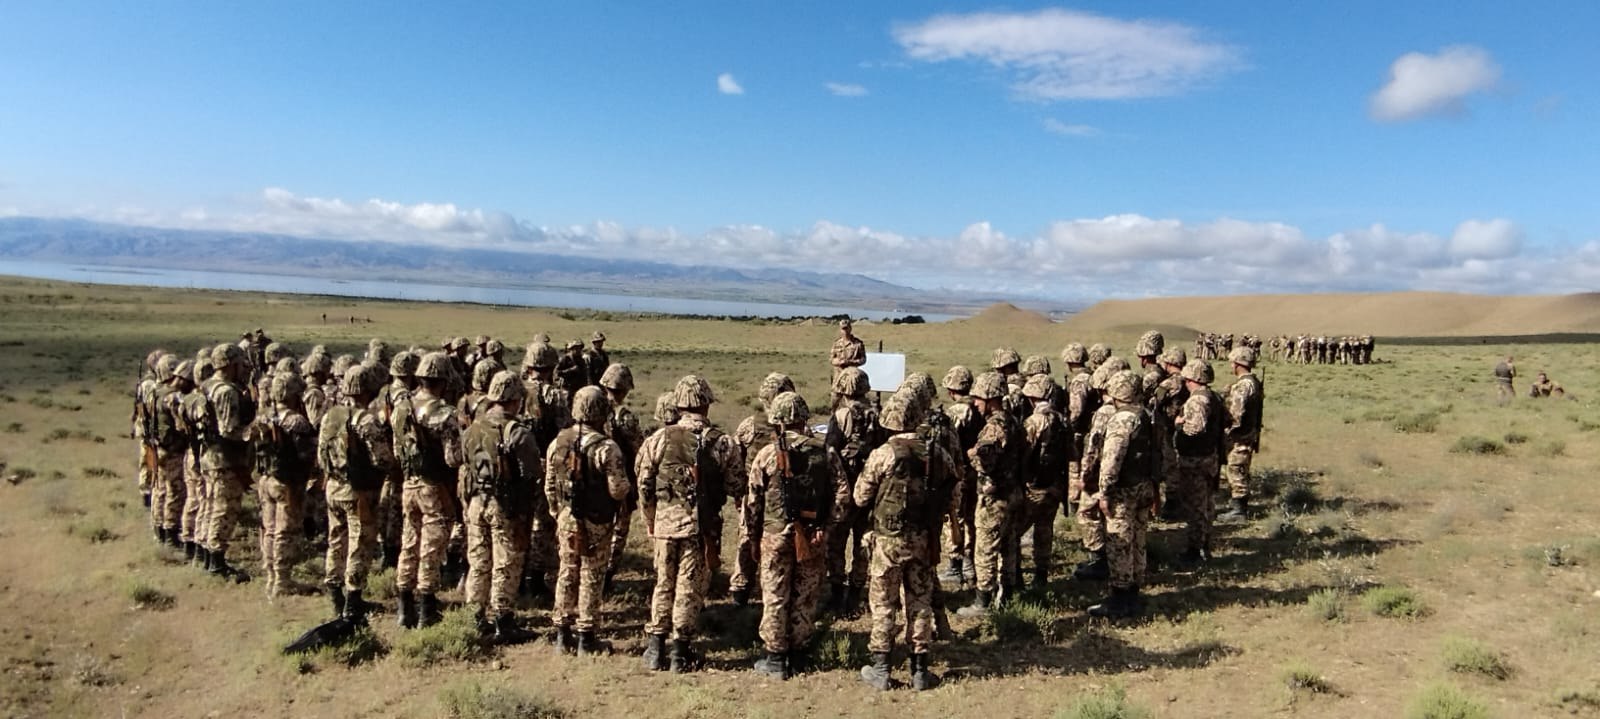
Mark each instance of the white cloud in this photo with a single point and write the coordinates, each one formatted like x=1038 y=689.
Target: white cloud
x=845 y=89
x=1485 y=240
x=1070 y=130
x=1421 y=85
x=729 y=86
x=1058 y=54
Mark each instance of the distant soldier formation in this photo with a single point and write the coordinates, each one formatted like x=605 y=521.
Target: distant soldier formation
x=461 y=471
x=1296 y=349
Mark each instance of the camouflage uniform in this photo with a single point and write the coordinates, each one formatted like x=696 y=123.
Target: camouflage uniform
x=752 y=436
x=167 y=495
x=624 y=429
x=1505 y=375
x=570 y=370
x=585 y=481
x=196 y=494
x=502 y=473
x=847 y=351
x=548 y=410
x=143 y=396
x=355 y=455
x=966 y=424
x=1082 y=401
x=427 y=436
x=226 y=459
x=1243 y=430
x=995 y=461
x=396 y=389
x=1127 y=478
x=1198 y=444
x=1047 y=448
x=286 y=446
x=596 y=359
x=1166 y=399
x=852 y=432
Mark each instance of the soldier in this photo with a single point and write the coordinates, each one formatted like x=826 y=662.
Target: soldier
x=1081 y=403
x=852 y=432
x=172 y=447
x=666 y=413
x=965 y=423
x=546 y=409
x=427 y=441
x=285 y=452
x=1243 y=431
x=494 y=354
x=796 y=484
x=848 y=350
x=502 y=473
x=584 y=483
x=480 y=350
x=354 y=452
x=274 y=354
x=994 y=461
x=1166 y=405
x=1126 y=493
x=226 y=457
x=143 y=395
x=623 y=428
x=596 y=359
x=196 y=494
x=570 y=370
x=683 y=469
x=1047 y=451
x=901 y=488
x=474 y=403
x=316 y=369
x=399 y=381
x=753 y=435
x=1198 y=441
x=1090 y=519
x=1505 y=375
x=1097 y=354
x=1544 y=387
x=1005 y=361
x=1148 y=350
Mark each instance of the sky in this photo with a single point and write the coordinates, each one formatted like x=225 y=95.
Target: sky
x=1086 y=150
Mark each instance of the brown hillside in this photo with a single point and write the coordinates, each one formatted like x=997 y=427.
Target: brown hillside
x=1394 y=314
x=1005 y=313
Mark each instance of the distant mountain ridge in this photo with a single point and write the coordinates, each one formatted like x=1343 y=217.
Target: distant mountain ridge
x=75 y=240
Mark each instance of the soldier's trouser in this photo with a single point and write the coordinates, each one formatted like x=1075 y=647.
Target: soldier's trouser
x=996 y=547
x=1128 y=516
x=494 y=555
x=1192 y=495
x=747 y=557
x=352 y=539
x=585 y=547
x=1169 y=464
x=196 y=503
x=227 y=492
x=1238 y=471
x=144 y=469
x=1091 y=523
x=619 y=538
x=681 y=584
x=391 y=517
x=280 y=521
x=963 y=531
x=899 y=565
x=168 y=494
x=790 y=592
x=315 y=510
x=846 y=539
x=711 y=531
x=542 y=555
x=1039 y=507
x=425 y=507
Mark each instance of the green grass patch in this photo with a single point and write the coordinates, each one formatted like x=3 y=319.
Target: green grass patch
x=1109 y=703
x=15 y=428
x=1022 y=621
x=1417 y=422
x=1301 y=677
x=455 y=638
x=1552 y=448
x=146 y=596
x=1473 y=444
x=475 y=700
x=362 y=647
x=1469 y=656
x=1515 y=438
x=835 y=648
x=1445 y=701
x=99 y=473
x=1394 y=601
x=1326 y=605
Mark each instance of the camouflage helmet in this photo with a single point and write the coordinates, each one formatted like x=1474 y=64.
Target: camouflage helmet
x=851 y=382
x=539 y=356
x=666 y=410
x=617 y=378
x=787 y=408
x=315 y=364
x=227 y=354
x=184 y=370
x=1039 y=386
x=1074 y=353
x=1175 y=356
x=1150 y=344
x=434 y=365
x=404 y=365
x=1097 y=353
x=505 y=387
x=1034 y=365
x=357 y=380
x=483 y=373
x=1115 y=364
x=1003 y=357
x=342 y=364
x=541 y=338
x=1243 y=356
x=574 y=345
x=693 y=391
x=286 y=366
x=319 y=349
x=151 y=359
x=1097 y=378
x=460 y=344
x=774 y=384
x=166 y=364
x=377 y=352
x=1199 y=371
x=494 y=347
x=902 y=412
x=275 y=351
x=1124 y=386
x=598 y=336
x=989 y=385
x=922 y=384
x=286 y=386
x=480 y=340
x=958 y=379
x=590 y=406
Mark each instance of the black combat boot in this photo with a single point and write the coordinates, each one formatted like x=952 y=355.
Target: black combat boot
x=1041 y=579
x=876 y=674
x=922 y=677
x=684 y=658
x=853 y=599
x=355 y=608
x=610 y=583
x=336 y=595
x=507 y=632
x=161 y=534
x=1238 y=510
x=655 y=653
x=173 y=540
x=740 y=596
x=428 y=613
x=564 y=641
x=1123 y=603
x=221 y=568
x=774 y=665
x=836 y=598
x=979 y=606
x=480 y=621
x=590 y=645
x=1094 y=570
x=533 y=584
x=408 y=610
x=952 y=575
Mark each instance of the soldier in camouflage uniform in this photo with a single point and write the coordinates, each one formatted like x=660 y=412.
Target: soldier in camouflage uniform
x=1096 y=355
x=196 y=494
x=796 y=484
x=355 y=454
x=1198 y=441
x=584 y=483
x=1148 y=350
x=547 y=409
x=571 y=373
x=1242 y=431
x=285 y=453
x=474 y=403
x=427 y=440
x=1166 y=400
x=171 y=446
x=502 y=472
x=399 y=381
x=315 y=369
x=753 y=435
x=624 y=429
x=226 y=456
x=1007 y=362
x=903 y=488
x=596 y=359
x=683 y=470
x=994 y=461
x=1090 y=519
x=1126 y=493
x=1047 y=451
x=1081 y=403
x=853 y=433
x=847 y=351
x=965 y=423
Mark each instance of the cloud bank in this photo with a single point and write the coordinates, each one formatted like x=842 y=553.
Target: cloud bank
x=1422 y=85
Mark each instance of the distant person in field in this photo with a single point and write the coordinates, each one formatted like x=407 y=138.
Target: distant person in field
x=596 y=359
x=848 y=350
x=1505 y=374
x=1543 y=386
x=571 y=372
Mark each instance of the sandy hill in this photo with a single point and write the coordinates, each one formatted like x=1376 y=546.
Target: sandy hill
x=1393 y=314
x=1005 y=313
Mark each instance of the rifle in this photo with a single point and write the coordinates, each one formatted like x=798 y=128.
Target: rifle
x=712 y=560
x=575 y=466
x=805 y=536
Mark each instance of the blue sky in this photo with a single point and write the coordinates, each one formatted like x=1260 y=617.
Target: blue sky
x=1084 y=149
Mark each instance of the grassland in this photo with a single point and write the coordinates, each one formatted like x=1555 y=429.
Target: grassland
x=1380 y=556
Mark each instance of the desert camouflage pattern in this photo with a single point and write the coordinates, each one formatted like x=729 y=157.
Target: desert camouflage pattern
x=584 y=545
x=1243 y=431
x=995 y=461
x=791 y=585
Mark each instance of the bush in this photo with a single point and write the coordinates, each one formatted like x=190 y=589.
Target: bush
x=145 y=596
x=1553 y=448
x=454 y=639
x=1473 y=444
x=1444 y=701
x=1468 y=656
x=1417 y=422
x=838 y=649
x=1022 y=620
x=1393 y=601
x=1300 y=498
x=1516 y=438
x=363 y=646
x=1326 y=605
x=380 y=586
x=1301 y=677
x=99 y=473
x=1108 y=703
x=473 y=700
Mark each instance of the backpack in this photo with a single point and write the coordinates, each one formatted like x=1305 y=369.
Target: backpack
x=1091 y=404
x=586 y=492
x=1144 y=454
x=688 y=475
x=1208 y=443
x=168 y=434
x=341 y=452
x=491 y=465
x=805 y=491
x=763 y=436
x=419 y=452
x=276 y=455
x=904 y=496
x=854 y=449
x=1049 y=454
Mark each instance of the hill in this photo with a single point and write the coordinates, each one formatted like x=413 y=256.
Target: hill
x=1007 y=314
x=1392 y=314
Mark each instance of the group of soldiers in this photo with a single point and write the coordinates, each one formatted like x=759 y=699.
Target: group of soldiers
x=1321 y=349
x=525 y=473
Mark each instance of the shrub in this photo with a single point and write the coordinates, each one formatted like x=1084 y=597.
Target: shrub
x=1553 y=448
x=1444 y=701
x=1299 y=676
x=1468 y=656
x=454 y=639
x=1326 y=605
x=381 y=586
x=1393 y=601
x=361 y=647
x=1473 y=444
x=1300 y=498
x=1417 y=422
x=1109 y=703
x=1022 y=620
x=1516 y=438
x=15 y=428
x=145 y=596
x=473 y=700
x=99 y=473
x=838 y=649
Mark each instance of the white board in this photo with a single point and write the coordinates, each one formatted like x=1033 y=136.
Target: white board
x=885 y=370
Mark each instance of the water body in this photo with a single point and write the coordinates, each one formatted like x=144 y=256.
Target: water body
x=301 y=285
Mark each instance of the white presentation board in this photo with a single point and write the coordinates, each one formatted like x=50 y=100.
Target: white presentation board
x=885 y=370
